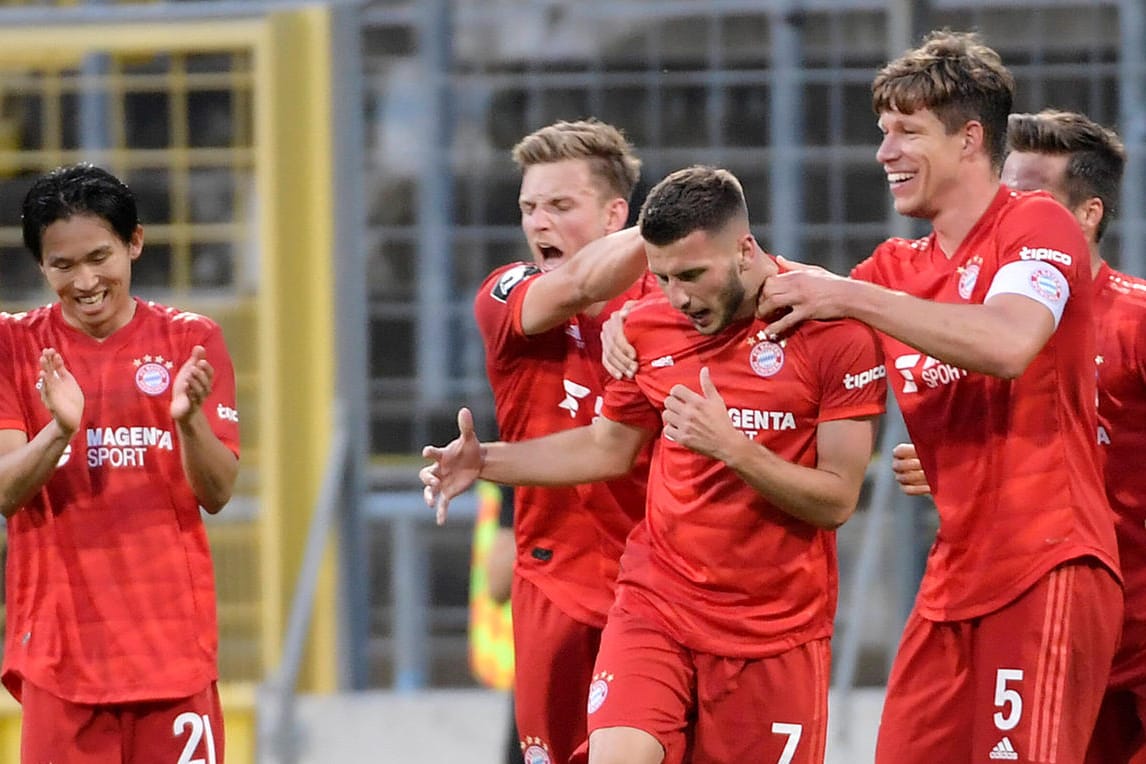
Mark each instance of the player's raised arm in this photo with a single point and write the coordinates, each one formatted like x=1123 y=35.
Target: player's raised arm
x=210 y=466
x=26 y=465
x=599 y=271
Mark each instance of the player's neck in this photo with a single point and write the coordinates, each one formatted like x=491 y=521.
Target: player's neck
x=955 y=219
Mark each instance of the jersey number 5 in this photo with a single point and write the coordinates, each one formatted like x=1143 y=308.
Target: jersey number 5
x=198 y=731
x=1005 y=696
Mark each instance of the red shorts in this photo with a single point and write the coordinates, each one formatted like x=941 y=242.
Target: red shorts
x=154 y=732
x=1023 y=683
x=706 y=708
x=553 y=657
x=1120 y=733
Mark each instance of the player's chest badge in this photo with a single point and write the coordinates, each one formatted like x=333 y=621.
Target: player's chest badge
x=152 y=374
x=969 y=276
x=766 y=357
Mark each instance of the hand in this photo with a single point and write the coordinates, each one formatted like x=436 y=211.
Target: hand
x=60 y=392
x=455 y=467
x=801 y=293
x=909 y=470
x=699 y=421
x=192 y=385
x=618 y=356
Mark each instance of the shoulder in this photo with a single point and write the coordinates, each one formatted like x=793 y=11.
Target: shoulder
x=502 y=281
x=1024 y=206
x=1129 y=290
x=181 y=320
x=892 y=251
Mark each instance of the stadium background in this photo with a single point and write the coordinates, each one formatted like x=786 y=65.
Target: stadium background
x=330 y=180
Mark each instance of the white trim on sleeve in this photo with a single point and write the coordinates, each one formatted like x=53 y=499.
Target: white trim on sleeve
x=1040 y=281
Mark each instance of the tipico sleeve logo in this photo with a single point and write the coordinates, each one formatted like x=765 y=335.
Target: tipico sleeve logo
x=152 y=374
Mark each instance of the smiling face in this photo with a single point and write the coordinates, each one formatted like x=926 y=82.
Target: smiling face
x=89 y=268
x=921 y=159
x=701 y=276
x=563 y=209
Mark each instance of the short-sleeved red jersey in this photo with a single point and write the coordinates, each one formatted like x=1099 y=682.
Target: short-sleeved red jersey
x=1013 y=465
x=1120 y=313
x=111 y=594
x=723 y=570
x=568 y=539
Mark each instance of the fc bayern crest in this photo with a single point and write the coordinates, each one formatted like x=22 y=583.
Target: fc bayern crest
x=1047 y=282
x=967 y=279
x=536 y=753
x=766 y=358
x=598 y=691
x=152 y=378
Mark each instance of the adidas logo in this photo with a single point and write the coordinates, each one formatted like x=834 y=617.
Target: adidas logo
x=1004 y=750
x=663 y=361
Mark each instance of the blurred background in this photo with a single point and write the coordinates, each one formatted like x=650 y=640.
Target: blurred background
x=331 y=181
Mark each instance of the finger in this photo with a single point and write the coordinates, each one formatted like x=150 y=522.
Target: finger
x=706 y=385
x=442 y=509
x=792 y=265
x=433 y=452
x=428 y=497
x=784 y=324
x=904 y=451
x=465 y=422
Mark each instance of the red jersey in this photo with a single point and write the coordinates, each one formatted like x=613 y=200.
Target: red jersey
x=1012 y=464
x=723 y=570
x=568 y=539
x=110 y=589
x=1120 y=313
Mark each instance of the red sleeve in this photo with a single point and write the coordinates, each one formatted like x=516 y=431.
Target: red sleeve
x=1039 y=228
x=497 y=307
x=11 y=413
x=220 y=407
x=625 y=401
x=852 y=373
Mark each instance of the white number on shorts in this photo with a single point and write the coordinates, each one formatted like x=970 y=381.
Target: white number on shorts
x=1005 y=695
x=200 y=727
x=793 y=731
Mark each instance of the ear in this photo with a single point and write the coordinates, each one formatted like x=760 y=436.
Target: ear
x=973 y=138
x=746 y=249
x=1089 y=215
x=616 y=214
x=135 y=246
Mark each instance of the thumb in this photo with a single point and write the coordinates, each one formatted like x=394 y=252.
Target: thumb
x=706 y=385
x=792 y=265
x=465 y=423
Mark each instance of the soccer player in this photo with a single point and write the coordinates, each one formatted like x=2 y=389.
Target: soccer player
x=117 y=424
x=539 y=322
x=1080 y=163
x=988 y=324
x=717 y=647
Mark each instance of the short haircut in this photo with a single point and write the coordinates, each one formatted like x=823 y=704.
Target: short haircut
x=1096 y=156
x=79 y=189
x=697 y=198
x=958 y=78
x=612 y=162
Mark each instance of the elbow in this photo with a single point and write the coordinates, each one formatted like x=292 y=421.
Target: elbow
x=213 y=502
x=834 y=514
x=1010 y=365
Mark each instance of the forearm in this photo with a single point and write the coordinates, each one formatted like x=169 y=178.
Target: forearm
x=820 y=497
x=572 y=457
x=600 y=271
x=25 y=470
x=980 y=338
x=211 y=468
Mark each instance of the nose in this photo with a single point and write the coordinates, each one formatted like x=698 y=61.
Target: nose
x=535 y=220
x=888 y=149
x=86 y=278
x=677 y=296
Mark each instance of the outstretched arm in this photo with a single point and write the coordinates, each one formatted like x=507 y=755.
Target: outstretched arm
x=999 y=337
x=211 y=468
x=26 y=465
x=600 y=451
x=599 y=271
x=824 y=495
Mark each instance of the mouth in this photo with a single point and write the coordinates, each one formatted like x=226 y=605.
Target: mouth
x=699 y=318
x=550 y=256
x=91 y=302
x=896 y=179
